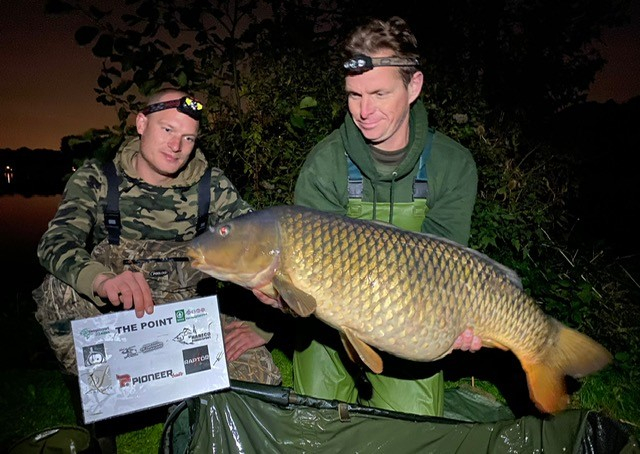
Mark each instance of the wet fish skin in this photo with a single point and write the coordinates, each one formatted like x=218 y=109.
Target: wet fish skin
x=406 y=293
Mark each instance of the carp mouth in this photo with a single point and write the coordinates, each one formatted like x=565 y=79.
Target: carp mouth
x=245 y=276
x=197 y=259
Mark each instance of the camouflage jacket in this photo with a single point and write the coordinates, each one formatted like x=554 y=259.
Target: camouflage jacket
x=146 y=211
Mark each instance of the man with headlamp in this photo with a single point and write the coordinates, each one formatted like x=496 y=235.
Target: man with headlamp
x=116 y=239
x=384 y=163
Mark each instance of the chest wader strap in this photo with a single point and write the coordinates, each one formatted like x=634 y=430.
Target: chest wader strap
x=204 y=198
x=112 y=210
x=420 y=184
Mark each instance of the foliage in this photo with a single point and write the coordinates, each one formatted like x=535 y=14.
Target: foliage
x=100 y=144
x=286 y=114
x=495 y=74
x=264 y=68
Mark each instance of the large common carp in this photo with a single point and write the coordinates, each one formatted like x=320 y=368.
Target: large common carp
x=407 y=293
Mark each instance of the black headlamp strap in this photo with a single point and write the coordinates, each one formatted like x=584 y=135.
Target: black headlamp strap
x=361 y=63
x=186 y=105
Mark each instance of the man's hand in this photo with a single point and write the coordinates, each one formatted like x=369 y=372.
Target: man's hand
x=240 y=337
x=467 y=341
x=266 y=299
x=129 y=289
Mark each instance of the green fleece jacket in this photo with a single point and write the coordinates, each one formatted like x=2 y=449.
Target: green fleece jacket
x=451 y=173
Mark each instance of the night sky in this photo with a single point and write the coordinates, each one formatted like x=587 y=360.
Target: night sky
x=47 y=80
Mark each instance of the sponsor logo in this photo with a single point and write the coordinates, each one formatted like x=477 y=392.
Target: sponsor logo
x=192 y=313
x=94 y=355
x=151 y=346
x=159 y=273
x=87 y=333
x=189 y=314
x=98 y=380
x=129 y=352
x=124 y=380
x=127 y=380
x=196 y=359
x=188 y=336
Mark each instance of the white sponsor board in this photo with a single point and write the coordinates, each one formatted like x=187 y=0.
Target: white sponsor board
x=127 y=364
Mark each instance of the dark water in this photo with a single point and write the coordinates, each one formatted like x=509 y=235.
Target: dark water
x=23 y=220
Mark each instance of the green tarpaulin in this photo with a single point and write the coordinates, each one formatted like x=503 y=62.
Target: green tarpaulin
x=250 y=418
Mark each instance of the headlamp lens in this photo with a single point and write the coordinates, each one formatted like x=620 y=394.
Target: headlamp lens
x=359 y=63
x=190 y=103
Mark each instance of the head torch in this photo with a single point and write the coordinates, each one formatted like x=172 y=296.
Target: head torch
x=186 y=105
x=362 y=63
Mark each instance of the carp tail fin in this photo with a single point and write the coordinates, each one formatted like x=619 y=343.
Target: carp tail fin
x=574 y=354
x=547 y=387
x=579 y=354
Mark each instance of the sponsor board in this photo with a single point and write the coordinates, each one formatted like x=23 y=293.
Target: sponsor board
x=127 y=364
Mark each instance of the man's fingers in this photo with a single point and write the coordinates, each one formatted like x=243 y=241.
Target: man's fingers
x=234 y=325
x=467 y=341
x=234 y=346
x=131 y=290
x=262 y=297
x=238 y=338
x=467 y=337
x=118 y=293
x=142 y=297
x=476 y=344
x=235 y=332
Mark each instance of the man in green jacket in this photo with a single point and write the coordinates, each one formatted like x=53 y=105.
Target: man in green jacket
x=384 y=163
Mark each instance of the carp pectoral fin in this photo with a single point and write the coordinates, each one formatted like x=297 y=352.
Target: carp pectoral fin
x=351 y=352
x=300 y=302
x=367 y=355
x=268 y=290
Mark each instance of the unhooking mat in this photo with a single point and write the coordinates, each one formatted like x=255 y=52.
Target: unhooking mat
x=253 y=418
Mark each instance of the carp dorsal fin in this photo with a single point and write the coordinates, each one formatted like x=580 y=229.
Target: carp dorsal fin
x=298 y=301
x=352 y=343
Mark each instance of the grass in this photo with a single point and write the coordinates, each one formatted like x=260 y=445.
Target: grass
x=35 y=399
x=32 y=399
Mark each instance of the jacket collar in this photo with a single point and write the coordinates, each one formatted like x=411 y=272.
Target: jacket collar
x=358 y=149
x=188 y=176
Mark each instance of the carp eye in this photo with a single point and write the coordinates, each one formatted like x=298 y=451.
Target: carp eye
x=224 y=230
